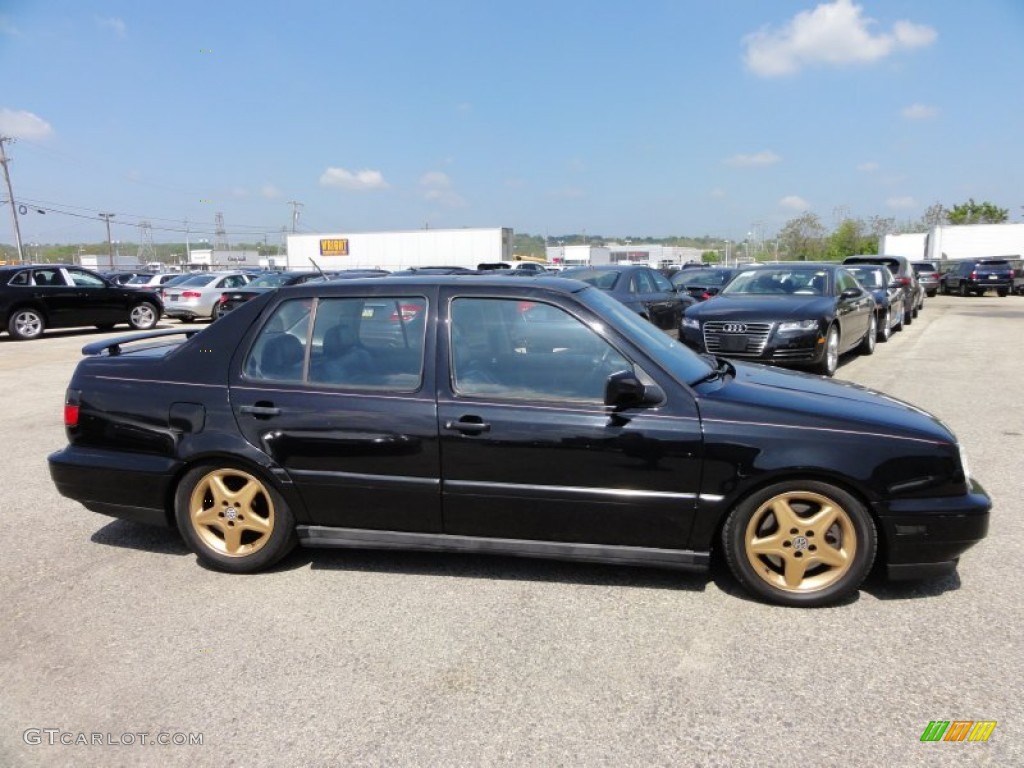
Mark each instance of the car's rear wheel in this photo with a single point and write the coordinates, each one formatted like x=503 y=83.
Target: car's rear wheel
x=885 y=329
x=187 y=319
x=963 y=289
x=26 y=324
x=232 y=519
x=800 y=543
x=830 y=358
x=1002 y=292
x=867 y=346
x=143 y=316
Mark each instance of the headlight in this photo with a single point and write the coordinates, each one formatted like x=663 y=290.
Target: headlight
x=689 y=322
x=795 y=326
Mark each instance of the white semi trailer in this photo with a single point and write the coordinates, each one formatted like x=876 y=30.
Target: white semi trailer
x=400 y=250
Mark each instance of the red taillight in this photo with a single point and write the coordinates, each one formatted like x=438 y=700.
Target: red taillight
x=904 y=281
x=974 y=275
x=409 y=312
x=70 y=415
x=705 y=296
x=191 y=295
x=222 y=300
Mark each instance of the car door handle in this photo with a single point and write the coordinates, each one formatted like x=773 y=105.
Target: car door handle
x=260 y=411
x=468 y=425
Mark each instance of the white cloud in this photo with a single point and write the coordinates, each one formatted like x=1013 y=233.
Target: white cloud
x=114 y=24
x=868 y=167
x=901 y=203
x=920 y=112
x=270 y=192
x=717 y=192
x=794 y=203
x=834 y=34
x=568 y=193
x=23 y=125
x=765 y=157
x=437 y=188
x=358 y=180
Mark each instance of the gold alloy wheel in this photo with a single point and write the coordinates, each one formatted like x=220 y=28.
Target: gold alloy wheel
x=231 y=512
x=800 y=541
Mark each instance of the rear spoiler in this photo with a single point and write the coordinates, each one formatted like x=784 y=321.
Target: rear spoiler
x=113 y=346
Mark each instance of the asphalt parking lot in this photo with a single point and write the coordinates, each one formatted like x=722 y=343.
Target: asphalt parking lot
x=389 y=658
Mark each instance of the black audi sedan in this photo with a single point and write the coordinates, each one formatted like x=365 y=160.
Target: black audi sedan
x=890 y=301
x=644 y=290
x=802 y=314
x=34 y=297
x=702 y=284
x=538 y=418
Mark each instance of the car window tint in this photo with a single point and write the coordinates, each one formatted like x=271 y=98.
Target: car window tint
x=661 y=282
x=369 y=343
x=22 y=278
x=279 y=352
x=47 y=277
x=526 y=350
x=84 y=279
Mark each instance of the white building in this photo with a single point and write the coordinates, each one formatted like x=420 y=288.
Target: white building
x=654 y=255
x=958 y=242
x=578 y=255
x=400 y=250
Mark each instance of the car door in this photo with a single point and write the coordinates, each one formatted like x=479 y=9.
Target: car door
x=529 y=451
x=854 y=308
x=356 y=433
x=97 y=301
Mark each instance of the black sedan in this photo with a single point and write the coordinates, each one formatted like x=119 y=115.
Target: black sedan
x=702 y=284
x=890 y=304
x=802 y=314
x=34 y=297
x=293 y=420
x=267 y=281
x=644 y=290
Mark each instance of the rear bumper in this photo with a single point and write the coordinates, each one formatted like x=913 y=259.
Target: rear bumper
x=924 y=538
x=133 y=487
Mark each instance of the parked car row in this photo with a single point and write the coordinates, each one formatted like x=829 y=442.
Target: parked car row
x=805 y=314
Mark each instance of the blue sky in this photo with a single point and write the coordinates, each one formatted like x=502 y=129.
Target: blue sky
x=621 y=119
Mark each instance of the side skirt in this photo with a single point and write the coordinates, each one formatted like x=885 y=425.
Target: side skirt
x=357 y=538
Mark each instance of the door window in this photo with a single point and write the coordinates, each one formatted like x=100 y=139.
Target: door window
x=527 y=350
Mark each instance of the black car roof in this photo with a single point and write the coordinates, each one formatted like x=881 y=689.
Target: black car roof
x=485 y=280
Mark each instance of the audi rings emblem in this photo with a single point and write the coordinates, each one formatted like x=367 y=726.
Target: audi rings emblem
x=734 y=328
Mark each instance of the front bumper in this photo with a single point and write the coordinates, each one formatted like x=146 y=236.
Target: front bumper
x=924 y=538
x=802 y=348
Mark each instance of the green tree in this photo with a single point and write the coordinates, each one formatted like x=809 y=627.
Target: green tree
x=977 y=213
x=709 y=257
x=803 y=238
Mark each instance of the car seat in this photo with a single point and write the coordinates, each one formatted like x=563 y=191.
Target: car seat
x=282 y=357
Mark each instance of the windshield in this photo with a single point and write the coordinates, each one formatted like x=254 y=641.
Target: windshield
x=197 y=280
x=269 y=280
x=682 y=363
x=784 y=280
x=869 y=278
x=604 y=279
x=701 y=277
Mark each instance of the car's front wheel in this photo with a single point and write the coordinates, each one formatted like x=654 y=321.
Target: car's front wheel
x=867 y=345
x=830 y=356
x=143 y=316
x=26 y=324
x=800 y=543
x=232 y=519
x=885 y=329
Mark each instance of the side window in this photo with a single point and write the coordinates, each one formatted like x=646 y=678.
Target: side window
x=84 y=279
x=661 y=282
x=279 y=352
x=845 y=281
x=22 y=278
x=644 y=283
x=369 y=343
x=526 y=350
x=48 y=277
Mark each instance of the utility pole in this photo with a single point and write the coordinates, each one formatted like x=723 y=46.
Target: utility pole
x=110 y=243
x=295 y=213
x=10 y=195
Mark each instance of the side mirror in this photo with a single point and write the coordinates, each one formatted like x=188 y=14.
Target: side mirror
x=851 y=293
x=624 y=390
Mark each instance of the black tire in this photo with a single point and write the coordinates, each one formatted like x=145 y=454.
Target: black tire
x=908 y=317
x=143 y=316
x=867 y=344
x=26 y=324
x=898 y=325
x=818 y=553
x=188 y=319
x=963 y=288
x=830 y=360
x=227 y=532
x=215 y=312
x=1002 y=292
x=885 y=329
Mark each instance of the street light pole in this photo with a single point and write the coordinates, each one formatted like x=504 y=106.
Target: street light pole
x=10 y=196
x=110 y=243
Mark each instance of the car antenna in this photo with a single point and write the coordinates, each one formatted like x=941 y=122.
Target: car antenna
x=317 y=268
